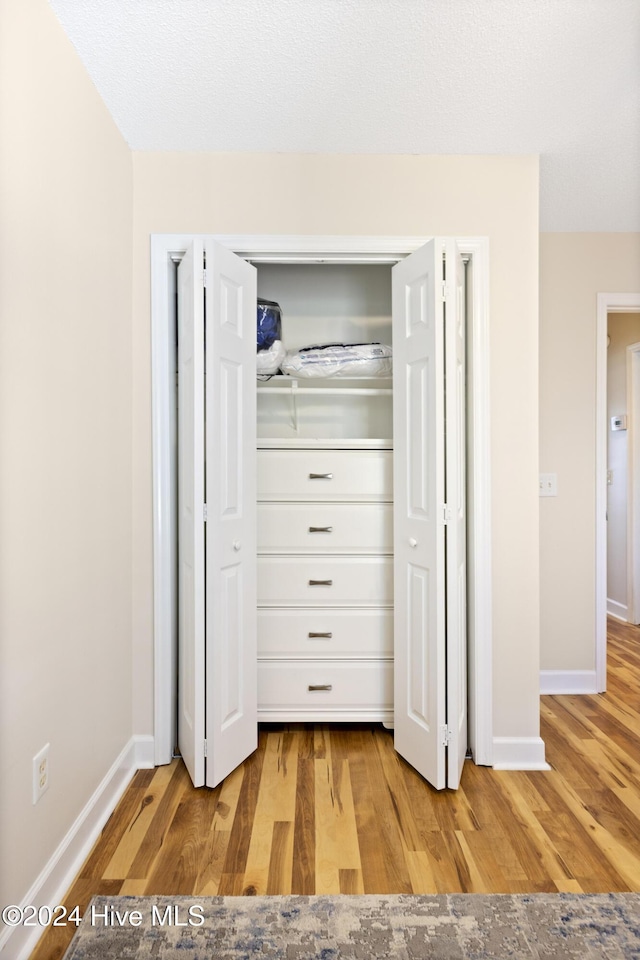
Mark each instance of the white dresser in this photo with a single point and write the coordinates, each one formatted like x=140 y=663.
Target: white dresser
x=325 y=585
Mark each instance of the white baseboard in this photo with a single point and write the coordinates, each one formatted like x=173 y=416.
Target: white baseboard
x=553 y=682
x=618 y=610
x=519 y=753
x=17 y=943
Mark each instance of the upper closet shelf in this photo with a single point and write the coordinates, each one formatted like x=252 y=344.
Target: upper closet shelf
x=324 y=443
x=333 y=407
x=331 y=386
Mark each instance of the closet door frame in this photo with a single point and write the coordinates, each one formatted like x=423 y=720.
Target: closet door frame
x=166 y=251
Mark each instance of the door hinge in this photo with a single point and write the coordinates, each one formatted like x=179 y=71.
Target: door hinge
x=444 y=291
x=445 y=730
x=204 y=277
x=446 y=513
x=204 y=512
x=204 y=747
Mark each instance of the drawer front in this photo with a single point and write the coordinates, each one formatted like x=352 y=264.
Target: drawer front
x=325 y=634
x=351 y=475
x=334 y=581
x=365 y=528
x=324 y=687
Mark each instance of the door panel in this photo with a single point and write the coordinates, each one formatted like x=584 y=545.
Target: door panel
x=419 y=582
x=418 y=600
x=421 y=478
x=191 y=575
x=231 y=668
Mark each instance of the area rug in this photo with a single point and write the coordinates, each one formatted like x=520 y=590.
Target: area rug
x=439 y=927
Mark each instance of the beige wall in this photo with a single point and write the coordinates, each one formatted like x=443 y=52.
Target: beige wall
x=375 y=195
x=76 y=628
x=65 y=429
x=574 y=268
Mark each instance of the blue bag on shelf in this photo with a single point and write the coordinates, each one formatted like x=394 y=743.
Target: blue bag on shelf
x=269 y=324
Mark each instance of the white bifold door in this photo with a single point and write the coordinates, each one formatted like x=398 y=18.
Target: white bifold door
x=217 y=669
x=217 y=666
x=430 y=688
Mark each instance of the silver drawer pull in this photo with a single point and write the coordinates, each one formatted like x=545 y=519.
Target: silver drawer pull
x=320 y=476
x=320 y=529
x=322 y=636
x=320 y=583
x=320 y=686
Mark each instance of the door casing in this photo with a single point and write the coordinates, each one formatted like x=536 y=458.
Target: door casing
x=166 y=250
x=633 y=478
x=606 y=303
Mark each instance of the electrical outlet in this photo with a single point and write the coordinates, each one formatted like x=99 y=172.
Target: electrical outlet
x=40 y=773
x=548 y=484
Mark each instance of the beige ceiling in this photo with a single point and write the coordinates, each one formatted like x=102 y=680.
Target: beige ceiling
x=559 y=78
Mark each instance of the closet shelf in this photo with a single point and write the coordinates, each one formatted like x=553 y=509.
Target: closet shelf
x=326 y=386
x=286 y=378
x=324 y=443
x=321 y=387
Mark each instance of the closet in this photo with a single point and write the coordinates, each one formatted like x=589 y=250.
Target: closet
x=322 y=556
x=325 y=506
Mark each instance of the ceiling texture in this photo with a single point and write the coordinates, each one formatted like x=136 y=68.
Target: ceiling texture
x=558 y=78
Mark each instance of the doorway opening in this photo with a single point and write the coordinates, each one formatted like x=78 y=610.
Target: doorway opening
x=608 y=305
x=623 y=403
x=166 y=251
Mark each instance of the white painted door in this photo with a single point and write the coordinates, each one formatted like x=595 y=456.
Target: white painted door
x=191 y=565
x=456 y=499
x=427 y=684
x=231 y=651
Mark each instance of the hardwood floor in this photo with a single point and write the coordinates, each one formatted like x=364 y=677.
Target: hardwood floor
x=333 y=809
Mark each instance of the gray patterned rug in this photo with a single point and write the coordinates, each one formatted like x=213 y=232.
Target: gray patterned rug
x=444 y=927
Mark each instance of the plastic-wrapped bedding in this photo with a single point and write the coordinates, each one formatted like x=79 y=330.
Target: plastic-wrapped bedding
x=271 y=351
x=269 y=325
x=339 y=360
x=268 y=361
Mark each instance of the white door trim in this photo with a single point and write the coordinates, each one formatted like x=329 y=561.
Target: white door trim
x=167 y=247
x=606 y=303
x=633 y=478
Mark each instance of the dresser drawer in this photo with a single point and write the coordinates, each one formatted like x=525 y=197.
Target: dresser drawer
x=364 y=528
x=325 y=689
x=325 y=634
x=334 y=581
x=352 y=475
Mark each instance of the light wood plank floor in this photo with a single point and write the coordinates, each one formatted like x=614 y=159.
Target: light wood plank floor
x=333 y=809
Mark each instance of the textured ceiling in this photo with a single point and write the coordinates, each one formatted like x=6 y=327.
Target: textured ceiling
x=559 y=78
